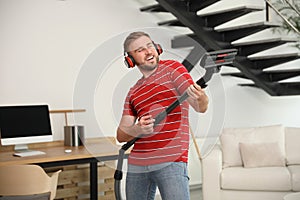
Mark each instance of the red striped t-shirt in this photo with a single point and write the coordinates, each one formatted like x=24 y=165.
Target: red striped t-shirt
x=152 y=95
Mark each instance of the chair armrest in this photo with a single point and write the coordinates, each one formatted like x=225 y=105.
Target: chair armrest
x=211 y=170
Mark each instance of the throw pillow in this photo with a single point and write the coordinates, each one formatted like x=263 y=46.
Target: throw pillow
x=261 y=154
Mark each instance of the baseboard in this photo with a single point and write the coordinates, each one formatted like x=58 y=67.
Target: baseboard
x=195 y=186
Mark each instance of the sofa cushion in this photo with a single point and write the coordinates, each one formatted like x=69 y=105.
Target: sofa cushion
x=231 y=137
x=261 y=154
x=295 y=173
x=292 y=138
x=260 y=179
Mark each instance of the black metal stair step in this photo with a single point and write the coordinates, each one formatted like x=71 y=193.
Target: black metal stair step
x=185 y=18
x=172 y=22
x=289 y=88
x=235 y=74
x=195 y=5
x=272 y=56
x=259 y=41
x=230 y=34
x=189 y=40
x=213 y=19
x=248 y=25
x=248 y=68
x=269 y=76
x=280 y=89
x=263 y=62
x=252 y=47
x=280 y=75
x=207 y=38
x=248 y=84
x=153 y=8
x=230 y=9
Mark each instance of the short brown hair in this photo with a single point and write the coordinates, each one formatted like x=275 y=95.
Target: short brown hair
x=131 y=37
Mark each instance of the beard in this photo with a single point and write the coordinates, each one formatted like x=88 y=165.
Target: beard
x=149 y=67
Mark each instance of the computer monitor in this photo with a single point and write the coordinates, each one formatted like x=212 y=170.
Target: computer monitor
x=24 y=124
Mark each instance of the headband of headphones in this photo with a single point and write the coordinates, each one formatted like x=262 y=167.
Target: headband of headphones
x=130 y=62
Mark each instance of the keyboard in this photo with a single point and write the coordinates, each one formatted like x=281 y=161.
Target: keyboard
x=29 y=153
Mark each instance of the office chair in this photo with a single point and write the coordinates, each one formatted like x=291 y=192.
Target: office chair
x=27 y=182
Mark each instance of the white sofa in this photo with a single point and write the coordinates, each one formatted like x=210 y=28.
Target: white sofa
x=258 y=163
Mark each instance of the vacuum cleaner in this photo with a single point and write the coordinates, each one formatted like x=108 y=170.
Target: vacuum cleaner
x=212 y=63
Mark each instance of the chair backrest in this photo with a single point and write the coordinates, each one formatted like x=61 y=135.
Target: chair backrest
x=44 y=196
x=26 y=180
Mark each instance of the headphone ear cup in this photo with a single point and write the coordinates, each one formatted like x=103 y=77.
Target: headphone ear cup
x=129 y=61
x=158 y=49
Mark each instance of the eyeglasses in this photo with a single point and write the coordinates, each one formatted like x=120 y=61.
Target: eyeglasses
x=142 y=49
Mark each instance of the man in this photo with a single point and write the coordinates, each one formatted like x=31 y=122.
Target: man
x=159 y=158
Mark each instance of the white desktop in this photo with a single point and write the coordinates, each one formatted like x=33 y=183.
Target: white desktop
x=25 y=124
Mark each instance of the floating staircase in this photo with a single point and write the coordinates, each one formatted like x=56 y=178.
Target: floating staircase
x=216 y=27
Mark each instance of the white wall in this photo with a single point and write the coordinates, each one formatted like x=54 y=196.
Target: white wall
x=45 y=43
x=68 y=54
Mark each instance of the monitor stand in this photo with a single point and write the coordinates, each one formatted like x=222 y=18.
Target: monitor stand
x=21 y=148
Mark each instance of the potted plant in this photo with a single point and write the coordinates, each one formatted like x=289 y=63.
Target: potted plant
x=290 y=10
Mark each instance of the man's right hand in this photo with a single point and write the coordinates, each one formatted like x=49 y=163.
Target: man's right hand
x=145 y=125
x=129 y=128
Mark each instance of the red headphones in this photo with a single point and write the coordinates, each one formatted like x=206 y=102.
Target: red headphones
x=129 y=61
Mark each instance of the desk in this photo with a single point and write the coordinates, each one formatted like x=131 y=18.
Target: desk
x=94 y=150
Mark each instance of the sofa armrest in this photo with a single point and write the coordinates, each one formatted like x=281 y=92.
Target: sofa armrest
x=211 y=170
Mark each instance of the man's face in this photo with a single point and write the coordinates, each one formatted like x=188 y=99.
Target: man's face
x=144 y=53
